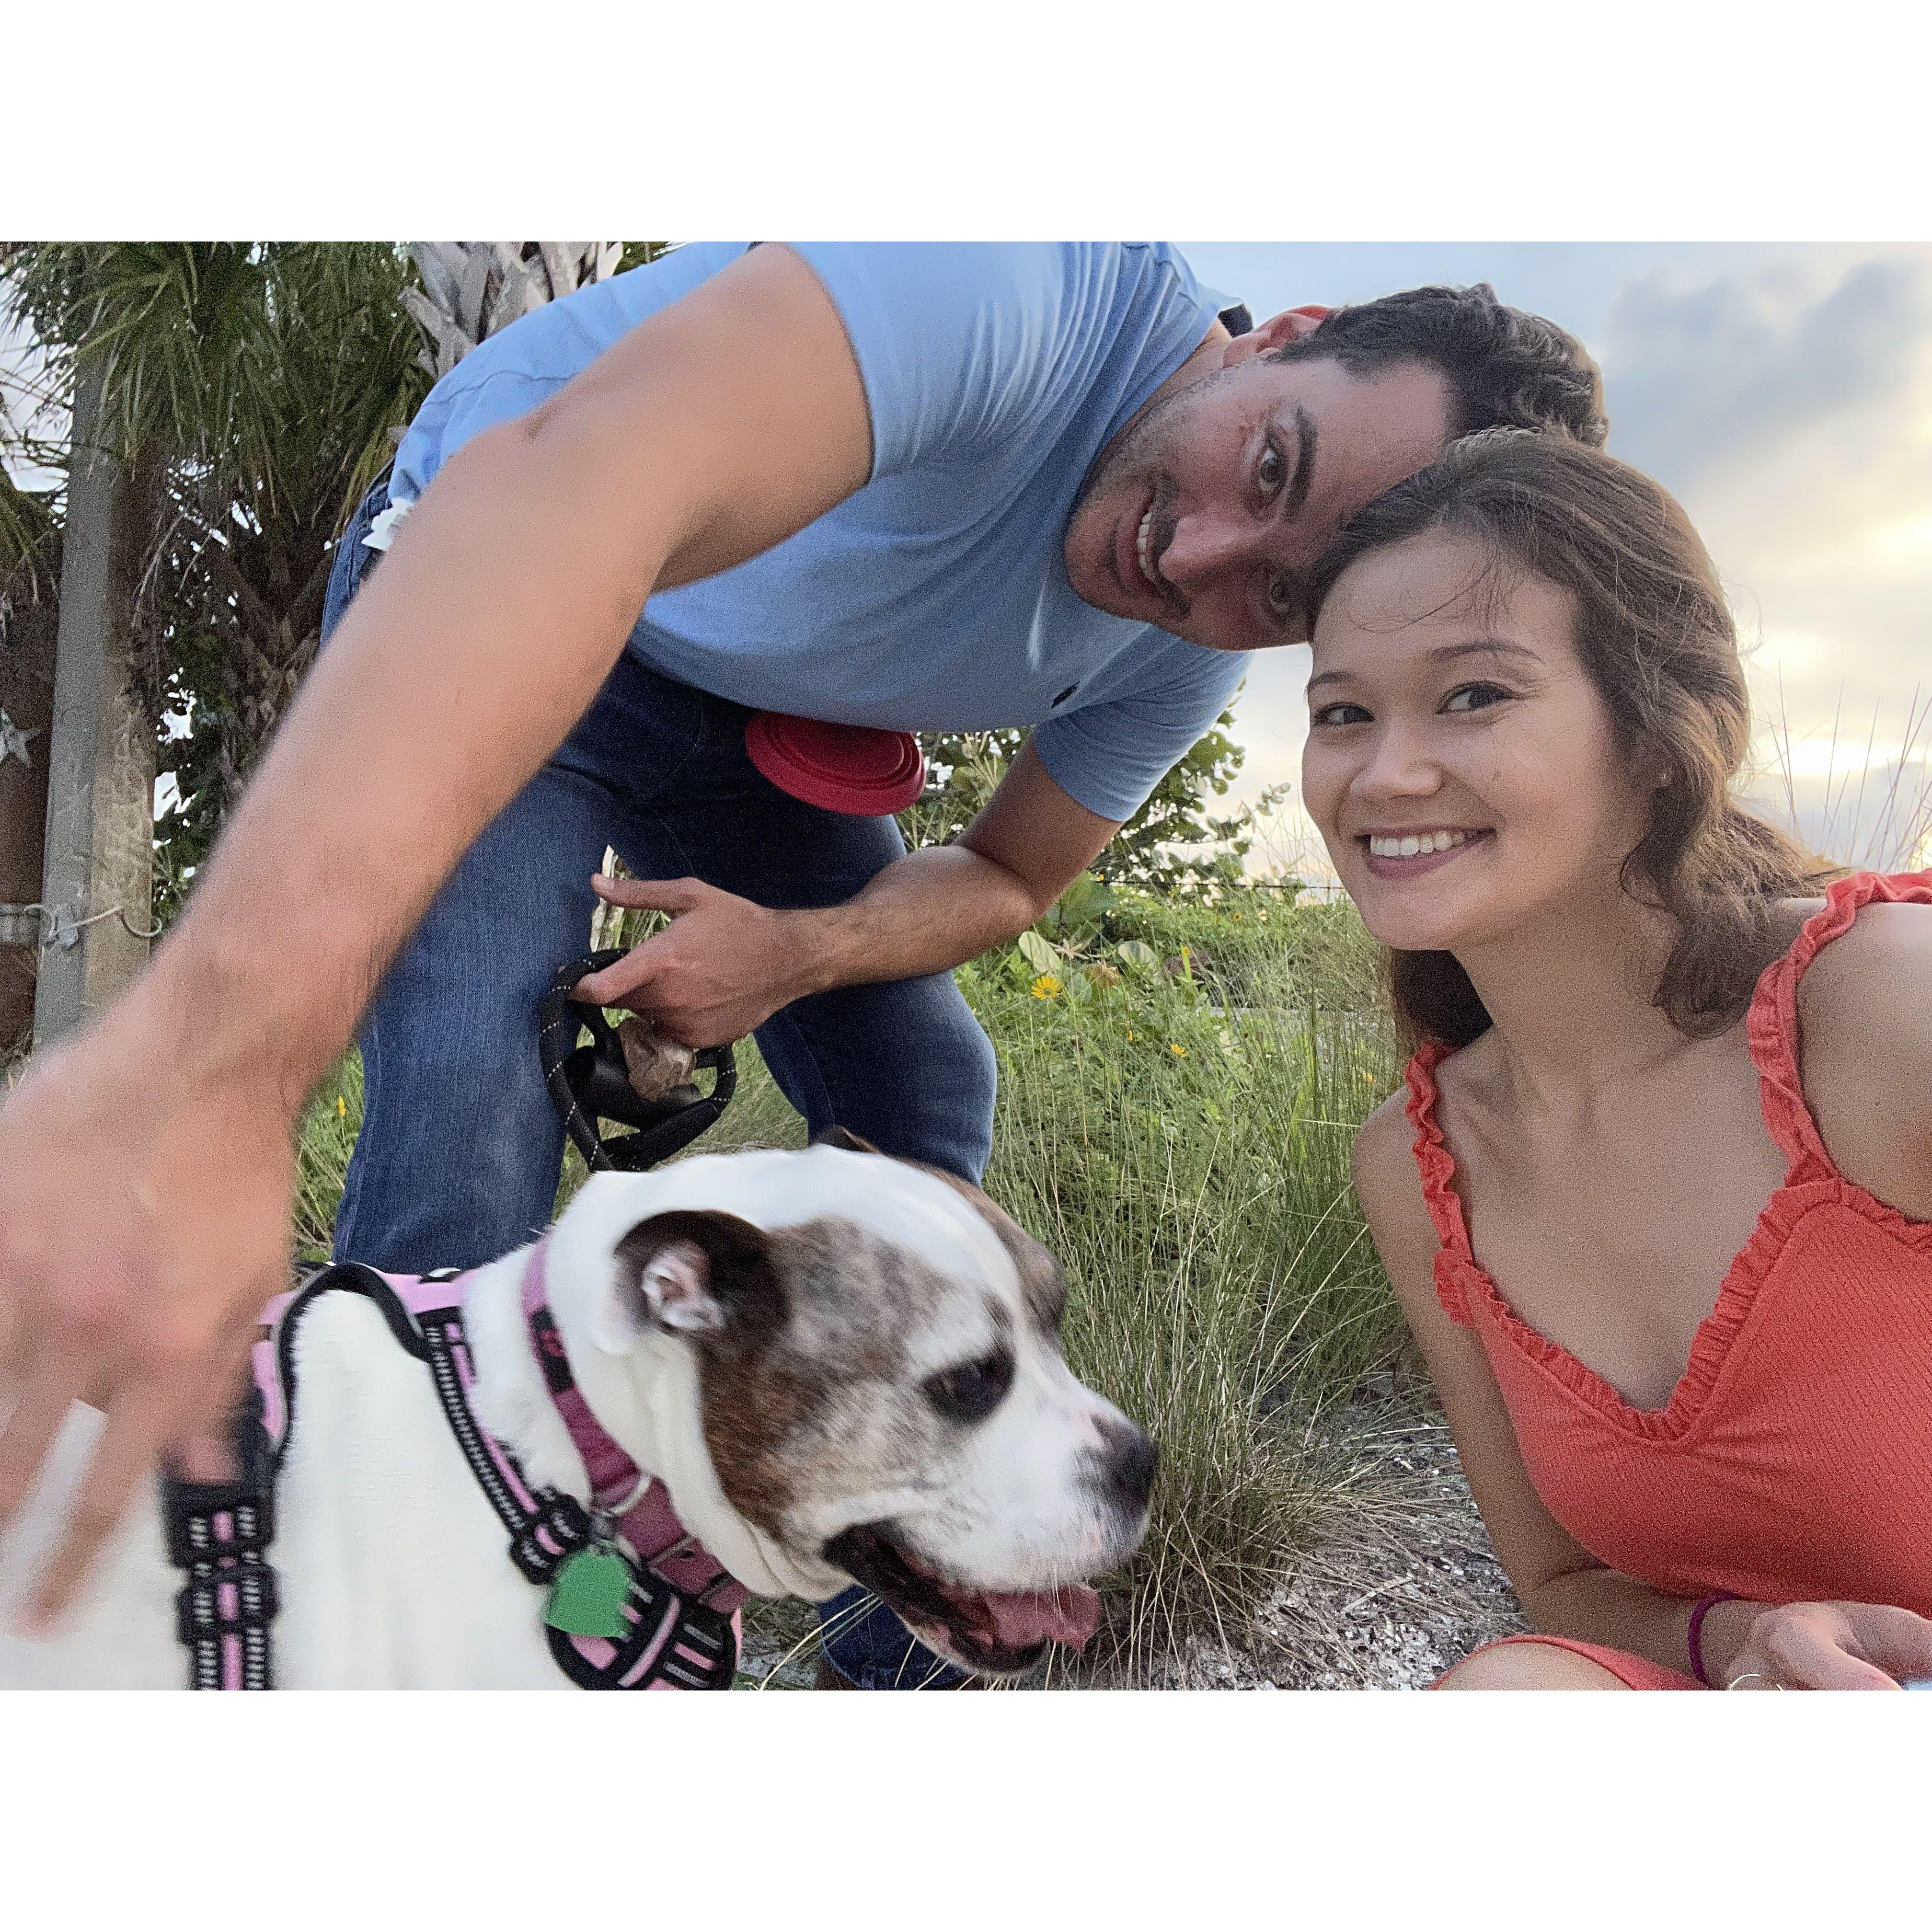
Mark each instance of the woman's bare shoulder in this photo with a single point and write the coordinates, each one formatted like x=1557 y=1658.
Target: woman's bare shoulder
x=1871 y=988
x=1389 y=1185
x=1383 y=1147
x=1865 y=1014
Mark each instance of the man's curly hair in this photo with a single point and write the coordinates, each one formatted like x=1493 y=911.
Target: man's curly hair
x=1506 y=368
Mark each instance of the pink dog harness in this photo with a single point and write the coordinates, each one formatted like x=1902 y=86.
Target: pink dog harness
x=635 y=1602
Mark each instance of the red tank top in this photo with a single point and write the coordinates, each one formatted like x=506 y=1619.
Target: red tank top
x=1792 y=1463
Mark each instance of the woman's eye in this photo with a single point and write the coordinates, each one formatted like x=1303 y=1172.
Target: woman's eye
x=1272 y=469
x=1341 y=714
x=974 y=1389
x=1475 y=698
x=1282 y=594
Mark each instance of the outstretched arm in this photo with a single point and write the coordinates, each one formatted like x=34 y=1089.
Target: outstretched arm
x=145 y=1168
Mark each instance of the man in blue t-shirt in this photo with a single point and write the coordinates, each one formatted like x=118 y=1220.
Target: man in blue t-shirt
x=927 y=487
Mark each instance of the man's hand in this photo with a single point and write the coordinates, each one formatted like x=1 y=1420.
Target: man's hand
x=721 y=969
x=137 y=1294
x=724 y=966
x=1831 y=1647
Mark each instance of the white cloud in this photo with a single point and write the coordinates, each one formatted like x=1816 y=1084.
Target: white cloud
x=1705 y=379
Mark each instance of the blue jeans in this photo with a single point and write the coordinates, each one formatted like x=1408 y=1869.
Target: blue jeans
x=461 y=1148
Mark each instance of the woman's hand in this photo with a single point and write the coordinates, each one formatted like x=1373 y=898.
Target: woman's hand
x=1831 y=1647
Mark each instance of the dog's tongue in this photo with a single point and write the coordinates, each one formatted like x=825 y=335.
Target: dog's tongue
x=1024 y=1617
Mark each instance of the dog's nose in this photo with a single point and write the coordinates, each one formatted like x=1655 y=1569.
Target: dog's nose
x=1130 y=1461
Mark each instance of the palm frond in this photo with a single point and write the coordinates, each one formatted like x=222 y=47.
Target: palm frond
x=472 y=289
x=169 y=322
x=29 y=546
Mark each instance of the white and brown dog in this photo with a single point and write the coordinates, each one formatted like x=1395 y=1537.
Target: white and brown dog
x=844 y=1367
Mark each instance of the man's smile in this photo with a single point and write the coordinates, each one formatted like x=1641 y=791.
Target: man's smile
x=1134 y=559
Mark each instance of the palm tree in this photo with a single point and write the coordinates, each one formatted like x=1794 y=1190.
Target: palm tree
x=248 y=392
x=471 y=289
x=231 y=401
x=242 y=566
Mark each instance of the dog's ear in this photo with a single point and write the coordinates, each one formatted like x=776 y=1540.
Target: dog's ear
x=689 y=1272
x=843 y=1137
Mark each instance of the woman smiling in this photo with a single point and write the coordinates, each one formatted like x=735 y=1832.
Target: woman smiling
x=1657 y=1198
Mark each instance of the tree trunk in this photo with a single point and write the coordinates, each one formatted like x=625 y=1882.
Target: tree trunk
x=26 y=709
x=97 y=884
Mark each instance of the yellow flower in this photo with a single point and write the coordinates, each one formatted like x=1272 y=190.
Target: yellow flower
x=1132 y=1034
x=1045 y=986
x=1179 y=1051
x=341 y=1107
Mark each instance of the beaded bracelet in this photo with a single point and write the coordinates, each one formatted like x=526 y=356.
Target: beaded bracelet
x=1694 y=1635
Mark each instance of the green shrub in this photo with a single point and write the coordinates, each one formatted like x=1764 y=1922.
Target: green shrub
x=334 y=1119
x=1254 y=945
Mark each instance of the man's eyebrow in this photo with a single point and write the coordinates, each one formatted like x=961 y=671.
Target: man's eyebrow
x=1296 y=495
x=1446 y=654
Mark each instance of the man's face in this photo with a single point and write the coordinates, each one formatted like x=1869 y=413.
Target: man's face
x=1207 y=512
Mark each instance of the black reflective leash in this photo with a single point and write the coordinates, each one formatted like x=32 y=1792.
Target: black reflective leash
x=218 y=1535
x=589 y=1082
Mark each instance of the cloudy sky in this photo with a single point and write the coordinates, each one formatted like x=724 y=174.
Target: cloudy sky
x=1784 y=395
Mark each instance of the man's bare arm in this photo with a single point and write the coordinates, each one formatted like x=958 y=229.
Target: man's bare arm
x=712 y=431
x=724 y=965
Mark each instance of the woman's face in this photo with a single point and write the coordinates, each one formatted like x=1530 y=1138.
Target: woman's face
x=1459 y=763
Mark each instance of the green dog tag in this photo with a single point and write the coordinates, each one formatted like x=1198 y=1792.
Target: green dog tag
x=587 y=1595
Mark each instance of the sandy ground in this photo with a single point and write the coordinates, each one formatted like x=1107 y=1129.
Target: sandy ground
x=1403 y=1584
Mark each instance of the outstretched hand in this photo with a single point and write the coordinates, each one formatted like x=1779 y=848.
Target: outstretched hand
x=144 y=1222
x=721 y=969
x=1832 y=1647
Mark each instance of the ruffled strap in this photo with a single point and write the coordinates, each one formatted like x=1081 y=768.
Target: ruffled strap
x=1771 y=1025
x=1437 y=1166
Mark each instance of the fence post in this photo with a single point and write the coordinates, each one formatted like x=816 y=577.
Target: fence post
x=97 y=885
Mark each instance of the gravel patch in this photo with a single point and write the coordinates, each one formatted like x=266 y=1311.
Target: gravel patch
x=1400 y=1583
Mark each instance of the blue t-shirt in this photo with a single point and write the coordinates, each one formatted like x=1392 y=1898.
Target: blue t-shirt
x=935 y=598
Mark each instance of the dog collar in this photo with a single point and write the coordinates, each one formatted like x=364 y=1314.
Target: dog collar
x=637 y=1506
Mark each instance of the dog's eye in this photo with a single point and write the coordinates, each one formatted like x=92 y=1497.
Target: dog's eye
x=973 y=1389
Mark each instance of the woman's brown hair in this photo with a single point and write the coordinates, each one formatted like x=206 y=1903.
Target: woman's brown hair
x=1657 y=640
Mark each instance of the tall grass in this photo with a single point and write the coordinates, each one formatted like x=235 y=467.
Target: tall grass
x=1186 y=1154
x=1867 y=805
